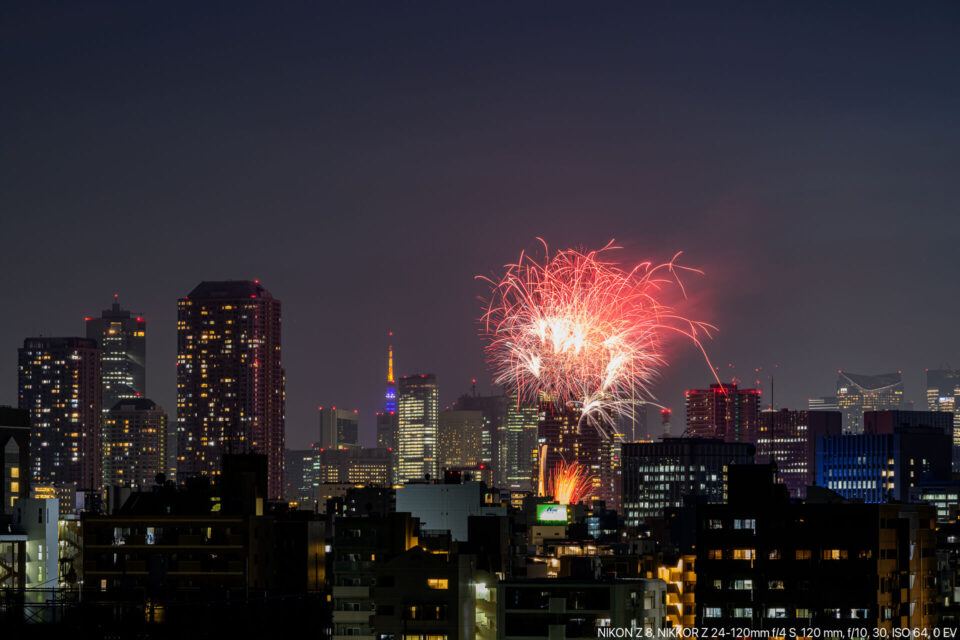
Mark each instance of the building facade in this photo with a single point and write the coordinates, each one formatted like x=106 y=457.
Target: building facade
x=789 y=439
x=122 y=338
x=14 y=457
x=230 y=380
x=338 y=427
x=460 y=439
x=723 y=411
x=417 y=429
x=896 y=451
x=134 y=443
x=59 y=384
x=657 y=476
x=857 y=393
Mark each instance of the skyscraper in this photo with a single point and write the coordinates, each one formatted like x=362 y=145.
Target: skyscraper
x=122 y=339
x=723 y=411
x=230 y=381
x=134 y=443
x=857 y=393
x=418 y=409
x=494 y=410
x=520 y=444
x=943 y=387
x=338 y=428
x=60 y=387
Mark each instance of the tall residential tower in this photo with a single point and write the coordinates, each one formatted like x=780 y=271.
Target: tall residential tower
x=230 y=381
x=122 y=338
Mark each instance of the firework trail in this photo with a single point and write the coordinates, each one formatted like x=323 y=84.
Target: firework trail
x=570 y=483
x=579 y=327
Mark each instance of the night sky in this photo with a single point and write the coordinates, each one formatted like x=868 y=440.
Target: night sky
x=365 y=161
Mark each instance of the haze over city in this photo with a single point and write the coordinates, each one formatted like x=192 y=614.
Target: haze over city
x=365 y=165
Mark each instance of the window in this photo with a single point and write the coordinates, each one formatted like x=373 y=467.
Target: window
x=742 y=585
x=775 y=585
x=803 y=554
x=714 y=524
x=774 y=554
x=438 y=583
x=744 y=554
x=834 y=554
x=715 y=554
x=776 y=612
x=803 y=613
x=750 y=524
x=743 y=612
x=711 y=612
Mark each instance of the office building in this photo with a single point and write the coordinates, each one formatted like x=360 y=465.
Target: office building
x=519 y=444
x=59 y=383
x=230 y=381
x=896 y=451
x=122 y=338
x=943 y=495
x=134 y=443
x=823 y=403
x=495 y=447
x=418 y=411
x=858 y=393
x=789 y=439
x=460 y=438
x=353 y=465
x=14 y=456
x=301 y=470
x=723 y=411
x=338 y=428
x=657 y=476
x=764 y=562
x=943 y=387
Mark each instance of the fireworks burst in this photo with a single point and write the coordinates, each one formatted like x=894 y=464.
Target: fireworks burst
x=570 y=483
x=583 y=329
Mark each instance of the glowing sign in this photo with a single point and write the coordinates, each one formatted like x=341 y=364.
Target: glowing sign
x=552 y=512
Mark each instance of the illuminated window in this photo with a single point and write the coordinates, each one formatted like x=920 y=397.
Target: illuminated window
x=744 y=554
x=803 y=554
x=438 y=583
x=715 y=554
x=14 y=472
x=834 y=554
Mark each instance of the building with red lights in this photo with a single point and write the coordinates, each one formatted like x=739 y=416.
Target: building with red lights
x=723 y=411
x=230 y=381
x=122 y=338
x=59 y=384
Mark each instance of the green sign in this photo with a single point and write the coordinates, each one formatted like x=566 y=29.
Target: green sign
x=552 y=512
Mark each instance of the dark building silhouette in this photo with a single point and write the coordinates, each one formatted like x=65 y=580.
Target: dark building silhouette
x=230 y=381
x=14 y=457
x=764 y=562
x=59 y=384
x=122 y=338
x=723 y=411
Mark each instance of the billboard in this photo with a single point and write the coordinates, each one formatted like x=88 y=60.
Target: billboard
x=552 y=512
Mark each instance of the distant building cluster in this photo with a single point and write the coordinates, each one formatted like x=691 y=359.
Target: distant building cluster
x=841 y=515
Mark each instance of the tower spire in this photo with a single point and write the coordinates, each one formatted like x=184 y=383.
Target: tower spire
x=390 y=362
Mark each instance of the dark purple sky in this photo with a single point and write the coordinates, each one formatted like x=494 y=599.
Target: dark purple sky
x=365 y=161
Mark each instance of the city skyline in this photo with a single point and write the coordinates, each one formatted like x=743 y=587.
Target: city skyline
x=783 y=151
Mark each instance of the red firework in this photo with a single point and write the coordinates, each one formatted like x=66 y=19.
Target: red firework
x=582 y=328
x=570 y=483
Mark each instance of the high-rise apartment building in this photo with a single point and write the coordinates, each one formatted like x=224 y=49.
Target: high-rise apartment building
x=338 y=427
x=59 y=384
x=418 y=410
x=134 y=443
x=857 y=393
x=230 y=381
x=723 y=411
x=789 y=439
x=122 y=338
